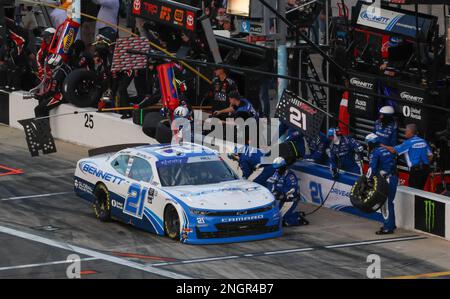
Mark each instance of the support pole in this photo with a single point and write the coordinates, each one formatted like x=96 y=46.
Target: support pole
x=282 y=49
x=76 y=11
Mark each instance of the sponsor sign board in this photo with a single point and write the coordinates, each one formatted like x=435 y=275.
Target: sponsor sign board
x=394 y=21
x=171 y=13
x=361 y=104
x=299 y=114
x=429 y=216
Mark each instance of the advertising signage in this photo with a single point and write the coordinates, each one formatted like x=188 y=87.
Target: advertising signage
x=171 y=13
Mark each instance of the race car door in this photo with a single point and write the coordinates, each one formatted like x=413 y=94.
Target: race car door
x=140 y=175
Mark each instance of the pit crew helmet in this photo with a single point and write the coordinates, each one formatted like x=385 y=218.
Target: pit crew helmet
x=279 y=163
x=387 y=110
x=181 y=112
x=372 y=138
x=48 y=32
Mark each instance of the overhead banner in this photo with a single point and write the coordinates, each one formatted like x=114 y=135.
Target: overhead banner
x=299 y=114
x=394 y=21
x=171 y=13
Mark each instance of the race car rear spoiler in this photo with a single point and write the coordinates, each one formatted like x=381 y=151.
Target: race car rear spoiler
x=113 y=148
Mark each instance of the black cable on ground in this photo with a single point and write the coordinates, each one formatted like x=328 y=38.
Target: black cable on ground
x=323 y=202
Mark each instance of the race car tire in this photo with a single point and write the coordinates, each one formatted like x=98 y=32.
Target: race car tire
x=151 y=122
x=172 y=223
x=164 y=132
x=369 y=198
x=102 y=203
x=82 y=88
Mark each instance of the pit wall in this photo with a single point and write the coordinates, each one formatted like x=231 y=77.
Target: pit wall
x=415 y=210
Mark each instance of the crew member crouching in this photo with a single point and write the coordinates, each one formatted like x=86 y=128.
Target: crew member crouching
x=284 y=186
x=383 y=163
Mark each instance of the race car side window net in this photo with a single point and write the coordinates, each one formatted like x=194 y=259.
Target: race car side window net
x=141 y=170
x=120 y=164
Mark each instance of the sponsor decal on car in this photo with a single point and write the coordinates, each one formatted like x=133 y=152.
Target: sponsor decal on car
x=242 y=218
x=81 y=186
x=220 y=190
x=89 y=168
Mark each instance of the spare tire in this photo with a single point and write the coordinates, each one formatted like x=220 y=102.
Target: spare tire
x=289 y=152
x=164 y=132
x=151 y=121
x=82 y=88
x=369 y=198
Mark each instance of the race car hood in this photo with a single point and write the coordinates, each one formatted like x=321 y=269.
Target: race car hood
x=226 y=196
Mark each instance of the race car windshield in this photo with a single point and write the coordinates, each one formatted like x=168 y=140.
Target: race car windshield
x=198 y=173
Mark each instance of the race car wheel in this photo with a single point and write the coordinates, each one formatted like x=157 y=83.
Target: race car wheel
x=102 y=203
x=369 y=198
x=172 y=223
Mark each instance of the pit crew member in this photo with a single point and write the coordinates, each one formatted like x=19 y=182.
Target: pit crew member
x=382 y=162
x=239 y=107
x=42 y=54
x=386 y=127
x=418 y=156
x=344 y=152
x=52 y=96
x=284 y=186
x=319 y=150
x=221 y=88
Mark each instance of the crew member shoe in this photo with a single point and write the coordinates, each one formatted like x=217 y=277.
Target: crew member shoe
x=383 y=231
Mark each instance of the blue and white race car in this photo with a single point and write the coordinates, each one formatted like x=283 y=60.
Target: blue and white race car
x=186 y=192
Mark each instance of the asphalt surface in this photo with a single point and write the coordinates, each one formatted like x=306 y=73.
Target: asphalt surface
x=42 y=223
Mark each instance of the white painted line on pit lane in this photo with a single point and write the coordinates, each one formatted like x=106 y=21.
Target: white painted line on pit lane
x=92 y=253
x=288 y=251
x=294 y=250
x=35 y=196
x=210 y=259
x=374 y=242
x=47 y=264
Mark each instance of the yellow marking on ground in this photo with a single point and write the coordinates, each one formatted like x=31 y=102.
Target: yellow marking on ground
x=426 y=275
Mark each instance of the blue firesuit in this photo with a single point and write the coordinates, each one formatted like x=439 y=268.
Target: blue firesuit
x=249 y=159
x=286 y=190
x=318 y=149
x=296 y=137
x=246 y=107
x=342 y=155
x=382 y=162
x=387 y=134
